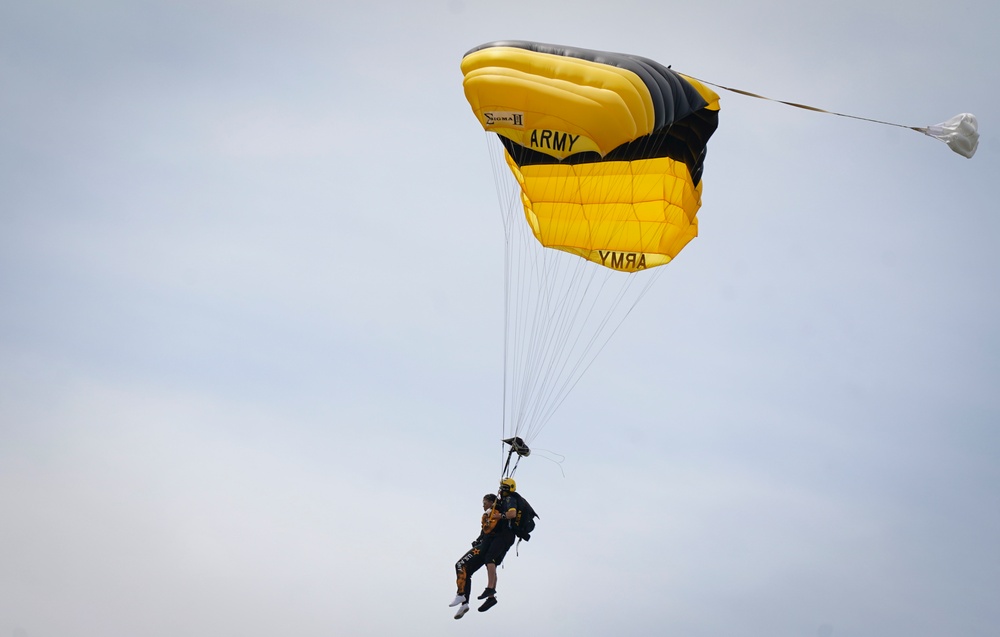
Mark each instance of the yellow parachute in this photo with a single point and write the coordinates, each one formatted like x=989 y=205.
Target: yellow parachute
x=602 y=155
x=607 y=148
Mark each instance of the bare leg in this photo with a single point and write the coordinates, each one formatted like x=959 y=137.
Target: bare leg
x=491 y=576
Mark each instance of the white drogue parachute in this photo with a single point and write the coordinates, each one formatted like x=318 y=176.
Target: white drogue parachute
x=961 y=133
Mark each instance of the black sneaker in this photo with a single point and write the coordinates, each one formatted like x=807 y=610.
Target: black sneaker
x=488 y=604
x=489 y=592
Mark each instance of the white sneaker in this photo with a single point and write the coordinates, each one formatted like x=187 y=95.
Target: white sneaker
x=459 y=599
x=462 y=610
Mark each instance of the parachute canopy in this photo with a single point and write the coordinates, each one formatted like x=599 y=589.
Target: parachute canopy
x=608 y=148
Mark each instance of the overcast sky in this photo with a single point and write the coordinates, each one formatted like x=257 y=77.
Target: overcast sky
x=251 y=330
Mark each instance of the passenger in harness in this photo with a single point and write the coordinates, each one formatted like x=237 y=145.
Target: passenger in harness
x=474 y=558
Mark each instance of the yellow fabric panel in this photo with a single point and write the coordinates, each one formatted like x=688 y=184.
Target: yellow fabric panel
x=624 y=215
x=605 y=106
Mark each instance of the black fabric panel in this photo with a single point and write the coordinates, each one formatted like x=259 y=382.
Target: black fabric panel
x=685 y=141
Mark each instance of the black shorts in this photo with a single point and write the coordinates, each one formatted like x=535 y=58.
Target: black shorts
x=498 y=548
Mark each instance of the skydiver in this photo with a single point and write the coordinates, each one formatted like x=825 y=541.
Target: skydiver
x=474 y=558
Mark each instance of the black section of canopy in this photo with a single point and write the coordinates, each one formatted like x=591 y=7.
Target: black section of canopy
x=685 y=141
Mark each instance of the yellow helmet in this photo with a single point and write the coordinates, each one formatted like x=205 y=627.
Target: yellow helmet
x=508 y=484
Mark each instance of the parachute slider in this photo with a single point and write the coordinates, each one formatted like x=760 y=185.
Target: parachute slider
x=518 y=446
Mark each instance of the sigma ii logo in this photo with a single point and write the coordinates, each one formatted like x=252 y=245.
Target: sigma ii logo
x=504 y=118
